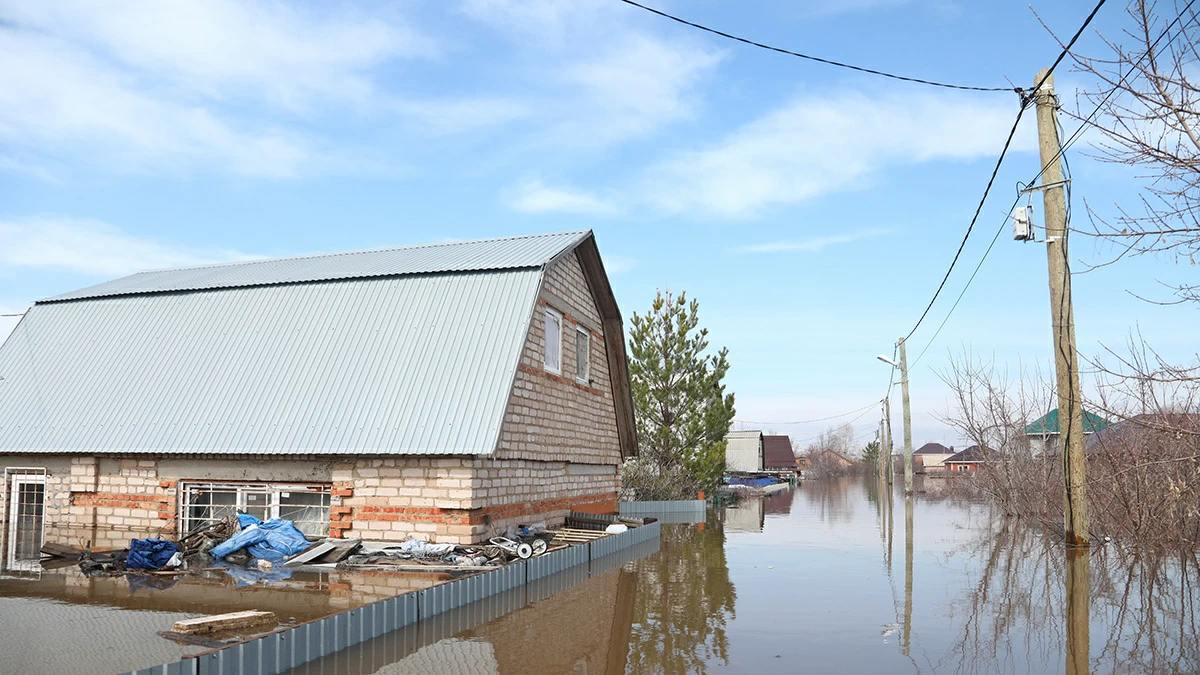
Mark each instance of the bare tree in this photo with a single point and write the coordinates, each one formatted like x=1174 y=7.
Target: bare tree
x=1147 y=109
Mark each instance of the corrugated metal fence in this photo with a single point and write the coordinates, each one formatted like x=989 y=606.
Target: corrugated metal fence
x=287 y=649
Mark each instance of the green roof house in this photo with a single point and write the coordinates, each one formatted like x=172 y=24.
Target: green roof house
x=1043 y=432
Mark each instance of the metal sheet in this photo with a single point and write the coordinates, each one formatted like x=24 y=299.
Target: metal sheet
x=403 y=365
x=467 y=256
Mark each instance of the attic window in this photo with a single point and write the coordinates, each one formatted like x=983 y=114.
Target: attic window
x=552 y=327
x=583 y=352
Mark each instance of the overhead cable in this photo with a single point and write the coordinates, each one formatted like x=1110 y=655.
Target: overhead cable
x=810 y=57
x=1000 y=160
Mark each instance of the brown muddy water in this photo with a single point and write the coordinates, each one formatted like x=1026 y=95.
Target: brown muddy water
x=828 y=578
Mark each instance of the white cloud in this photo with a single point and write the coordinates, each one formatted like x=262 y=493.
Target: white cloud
x=94 y=248
x=810 y=244
x=54 y=97
x=280 y=51
x=815 y=145
x=461 y=115
x=637 y=86
x=534 y=196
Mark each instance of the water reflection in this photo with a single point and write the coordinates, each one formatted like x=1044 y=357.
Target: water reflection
x=684 y=602
x=805 y=581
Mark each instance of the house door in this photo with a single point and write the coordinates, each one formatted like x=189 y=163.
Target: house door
x=26 y=511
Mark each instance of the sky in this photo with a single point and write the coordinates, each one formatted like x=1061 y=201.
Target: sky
x=810 y=210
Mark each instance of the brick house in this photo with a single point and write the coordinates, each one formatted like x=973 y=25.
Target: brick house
x=442 y=391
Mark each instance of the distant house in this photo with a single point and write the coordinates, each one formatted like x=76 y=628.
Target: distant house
x=1145 y=434
x=929 y=457
x=777 y=454
x=967 y=461
x=831 y=459
x=1043 y=432
x=444 y=392
x=744 y=451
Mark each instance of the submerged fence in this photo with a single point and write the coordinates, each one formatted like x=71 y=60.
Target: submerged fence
x=287 y=649
x=681 y=511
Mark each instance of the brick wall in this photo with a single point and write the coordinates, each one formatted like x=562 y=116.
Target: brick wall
x=554 y=417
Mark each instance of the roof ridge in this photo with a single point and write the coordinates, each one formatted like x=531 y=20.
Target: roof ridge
x=361 y=251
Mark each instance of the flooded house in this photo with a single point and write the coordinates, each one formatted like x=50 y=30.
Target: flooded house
x=777 y=454
x=929 y=458
x=744 y=451
x=966 y=461
x=1044 y=431
x=443 y=391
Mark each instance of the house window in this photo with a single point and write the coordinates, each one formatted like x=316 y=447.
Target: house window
x=583 y=355
x=552 y=326
x=305 y=505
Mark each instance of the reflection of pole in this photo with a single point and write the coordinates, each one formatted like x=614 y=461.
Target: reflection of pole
x=889 y=469
x=890 y=527
x=1078 y=599
x=908 y=449
x=908 y=570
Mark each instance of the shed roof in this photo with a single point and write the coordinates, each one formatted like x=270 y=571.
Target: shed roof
x=777 y=453
x=392 y=352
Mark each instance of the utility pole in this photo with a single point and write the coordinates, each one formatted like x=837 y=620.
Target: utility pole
x=1062 y=315
x=908 y=465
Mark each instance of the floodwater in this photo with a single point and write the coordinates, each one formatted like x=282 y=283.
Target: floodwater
x=827 y=579
x=833 y=577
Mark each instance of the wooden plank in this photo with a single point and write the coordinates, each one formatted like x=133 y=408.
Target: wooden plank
x=224 y=622
x=311 y=553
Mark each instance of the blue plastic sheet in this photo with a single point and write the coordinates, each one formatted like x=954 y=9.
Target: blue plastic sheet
x=150 y=554
x=752 y=482
x=275 y=540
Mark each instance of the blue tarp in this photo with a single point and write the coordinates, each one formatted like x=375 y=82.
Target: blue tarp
x=150 y=554
x=761 y=482
x=275 y=540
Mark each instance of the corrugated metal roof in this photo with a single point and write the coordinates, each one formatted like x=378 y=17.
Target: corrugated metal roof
x=416 y=364
x=487 y=254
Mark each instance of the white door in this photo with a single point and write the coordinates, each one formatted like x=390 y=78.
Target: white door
x=26 y=520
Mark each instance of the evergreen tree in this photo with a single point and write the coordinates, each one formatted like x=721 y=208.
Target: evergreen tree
x=682 y=410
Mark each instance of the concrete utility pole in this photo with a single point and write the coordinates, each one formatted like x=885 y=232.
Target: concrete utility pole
x=908 y=465
x=1062 y=316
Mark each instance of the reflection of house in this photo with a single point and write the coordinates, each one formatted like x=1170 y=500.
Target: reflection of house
x=777 y=454
x=929 y=457
x=445 y=391
x=744 y=451
x=745 y=516
x=1043 y=432
x=967 y=461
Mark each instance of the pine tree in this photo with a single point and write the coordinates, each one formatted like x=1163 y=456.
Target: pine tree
x=682 y=410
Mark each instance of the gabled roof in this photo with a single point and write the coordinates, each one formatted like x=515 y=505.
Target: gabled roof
x=971 y=454
x=1047 y=425
x=407 y=351
x=777 y=453
x=933 y=449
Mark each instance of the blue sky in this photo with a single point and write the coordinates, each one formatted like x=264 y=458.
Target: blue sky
x=811 y=210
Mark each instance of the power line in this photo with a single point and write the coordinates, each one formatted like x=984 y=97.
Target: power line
x=1000 y=160
x=1084 y=122
x=810 y=57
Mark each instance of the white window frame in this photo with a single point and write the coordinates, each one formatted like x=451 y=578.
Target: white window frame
x=584 y=334
x=273 y=491
x=13 y=478
x=556 y=368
